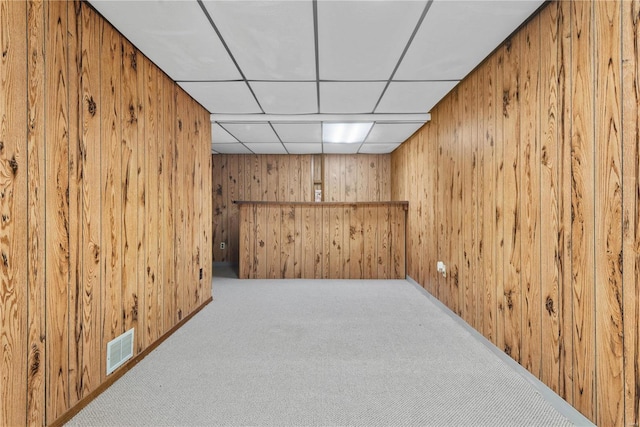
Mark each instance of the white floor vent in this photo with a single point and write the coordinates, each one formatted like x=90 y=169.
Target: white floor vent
x=119 y=350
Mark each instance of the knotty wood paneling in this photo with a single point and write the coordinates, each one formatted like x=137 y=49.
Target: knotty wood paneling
x=609 y=382
x=549 y=215
x=582 y=206
x=110 y=188
x=80 y=172
x=564 y=198
x=349 y=256
x=512 y=299
x=13 y=205
x=554 y=114
x=75 y=204
x=35 y=386
x=529 y=151
x=91 y=202
x=130 y=101
x=347 y=178
x=57 y=213
x=631 y=212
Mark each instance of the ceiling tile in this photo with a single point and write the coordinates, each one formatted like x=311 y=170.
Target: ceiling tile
x=378 y=148
x=363 y=40
x=223 y=97
x=266 y=148
x=413 y=97
x=307 y=148
x=349 y=97
x=383 y=133
x=456 y=36
x=341 y=148
x=175 y=35
x=221 y=136
x=286 y=97
x=270 y=40
x=251 y=132
x=299 y=132
x=236 y=148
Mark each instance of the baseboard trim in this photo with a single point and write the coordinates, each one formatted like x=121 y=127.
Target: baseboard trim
x=66 y=417
x=558 y=403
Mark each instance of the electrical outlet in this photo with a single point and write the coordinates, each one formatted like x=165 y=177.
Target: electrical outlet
x=441 y=268
x=222 y=245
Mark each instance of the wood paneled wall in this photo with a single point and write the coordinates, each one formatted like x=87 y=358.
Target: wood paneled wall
x=526 y=184
x=278 y=178
x=104 y=200
x=322 y=240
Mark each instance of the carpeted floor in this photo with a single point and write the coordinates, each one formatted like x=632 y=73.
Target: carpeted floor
x=327 y=352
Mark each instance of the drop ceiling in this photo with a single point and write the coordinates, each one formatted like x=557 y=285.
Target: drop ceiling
x=271 y=72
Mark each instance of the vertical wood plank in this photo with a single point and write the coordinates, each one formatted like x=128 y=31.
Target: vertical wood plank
x=477 y=200
x=259 y=268
x=362 y=181
x=384 y=177
x=565 y=124
x=35 y=387
x=631 y=214
x=512 y=197
x=91 y=200
x=169 y=212
x=499 y=215
x=468 y=215
x=582 y=207
x=356 y=244
x=111 y=191
x=488 y=111
x=609 y=385
x=325 y=264
x=247 y=244
x=530 y=197
x=219 y=195
x=75 y=202
x=270 y=181
x=398 y=216
x=287 y=241
x=456 y=205
x=299 y=242
x=13 y=205
x=429 y=206
x=308 y=242
x=180 y=154
x=384 y=244
x=335 y=229
x=151 y=203
x=274 y=242
x=130 y=101
x=345 y=240
x=370 y=231
x=306 y=179
x=57 y=207
x=232 y=176
x=160 y=171
x=350 y=172
x=549 y=219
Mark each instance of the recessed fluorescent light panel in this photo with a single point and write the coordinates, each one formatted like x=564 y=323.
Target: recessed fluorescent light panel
x=345 y=133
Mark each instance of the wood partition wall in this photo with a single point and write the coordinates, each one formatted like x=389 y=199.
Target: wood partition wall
x=290 y=178
x=105 y=205
x=329 y=240
x=526 y=184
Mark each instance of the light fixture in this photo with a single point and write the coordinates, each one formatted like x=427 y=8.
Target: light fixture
x=345 y=133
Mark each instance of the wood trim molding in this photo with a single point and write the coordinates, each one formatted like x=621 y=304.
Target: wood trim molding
x=66 y=417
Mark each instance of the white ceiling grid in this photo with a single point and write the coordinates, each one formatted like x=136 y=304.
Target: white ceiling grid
x=271 y=72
